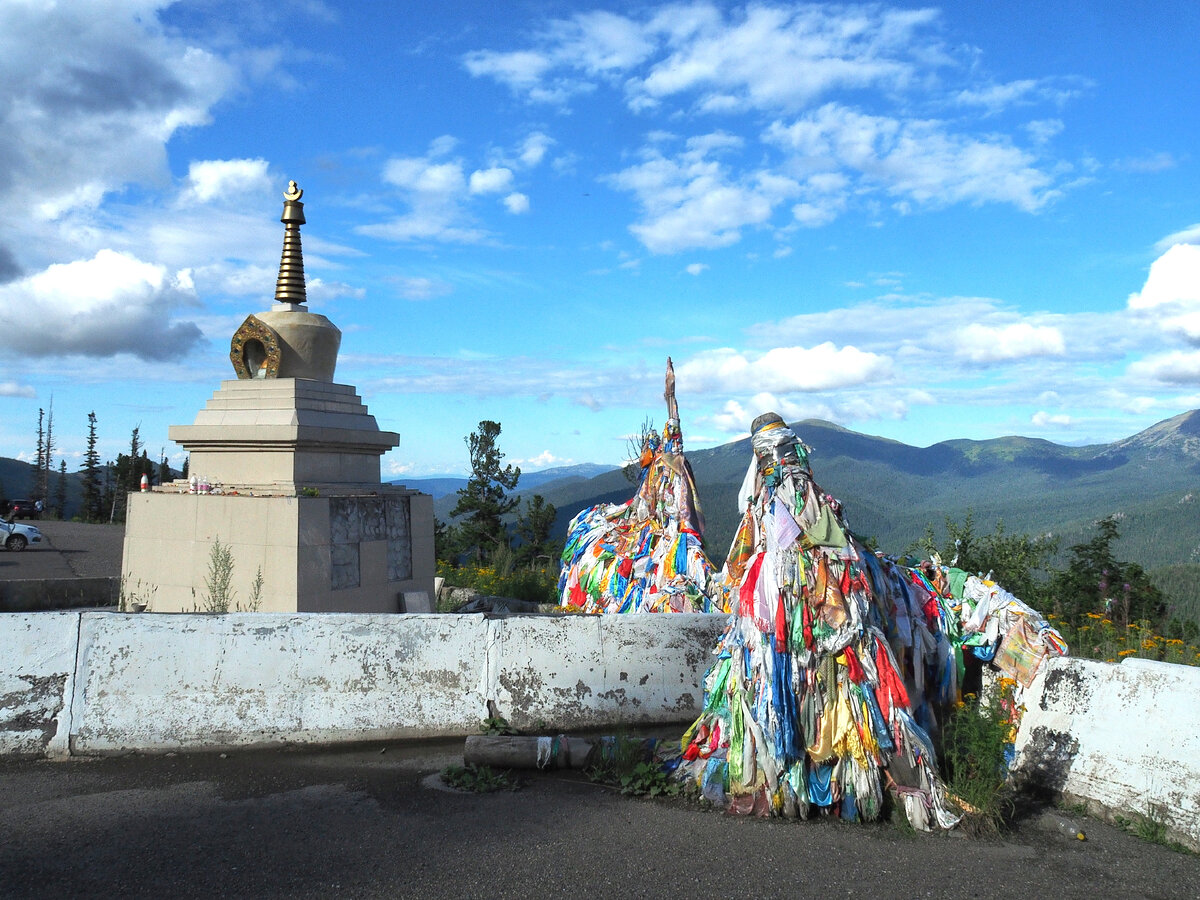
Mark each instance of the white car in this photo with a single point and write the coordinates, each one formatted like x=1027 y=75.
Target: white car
x=17 y=537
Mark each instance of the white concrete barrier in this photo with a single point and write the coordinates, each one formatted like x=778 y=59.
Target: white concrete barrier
x=103 y=682
x=1124 y=738
x=37 y=674
x=579 y=672
x=159 y=682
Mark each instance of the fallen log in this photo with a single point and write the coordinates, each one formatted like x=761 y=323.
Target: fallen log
x=525 y=752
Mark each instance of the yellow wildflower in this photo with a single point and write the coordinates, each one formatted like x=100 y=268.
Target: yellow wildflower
x=1094 y=616
x=1126 y=652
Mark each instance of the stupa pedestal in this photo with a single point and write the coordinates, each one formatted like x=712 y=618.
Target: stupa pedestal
x=288 y=465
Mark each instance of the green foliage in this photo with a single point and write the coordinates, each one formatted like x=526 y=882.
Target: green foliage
x=254 y=604
x=538 y=584
x=533 y=529
x=628 y=763
x=975 y=738
x=479 y=779
x=218 y=581
x=1181 y=585
x=647 y=779
x=1016 y=561
x=1095 y=581
x=497 y=725
x=484 y=501
x=309 y=492
x=1150 y=828
x=1099 y=637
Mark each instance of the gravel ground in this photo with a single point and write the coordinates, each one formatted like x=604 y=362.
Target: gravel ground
x=366 y=822
x=70 y=550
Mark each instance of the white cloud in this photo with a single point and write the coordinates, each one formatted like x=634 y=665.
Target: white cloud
x=219 y=179
x=16 y=389
x=1171 y=294
x=692 y=201
x=1043 y=131
x=1041 y=418
x=516 y=203
x=1176 y=367
x=696 y=268
x=534 y=148
x=491 y=181
x=996 y=343
x=784 y=60
x=784 y=369
x=1147 y=165
x=113 y=303
x=93 y=115
x=421 y=288
x=1189 y=235
x=919 y=160
x=436 y=193
x=544 y=460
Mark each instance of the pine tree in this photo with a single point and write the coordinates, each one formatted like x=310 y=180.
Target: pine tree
x=485 y=500
x=91 y=475
x=43 y=488
x=164 y=467
x=41 y=452
x=60 y=495
x=533 y=528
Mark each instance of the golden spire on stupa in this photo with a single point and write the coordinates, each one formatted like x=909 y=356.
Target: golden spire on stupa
x=289 y=287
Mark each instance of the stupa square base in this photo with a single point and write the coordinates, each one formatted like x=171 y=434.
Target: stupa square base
x=349 y=552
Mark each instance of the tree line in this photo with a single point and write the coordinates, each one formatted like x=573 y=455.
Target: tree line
x=103 y=485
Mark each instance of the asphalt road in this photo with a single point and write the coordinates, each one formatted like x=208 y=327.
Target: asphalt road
x=363 y=822
x=70 y=550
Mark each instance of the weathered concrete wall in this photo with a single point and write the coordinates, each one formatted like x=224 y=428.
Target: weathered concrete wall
x=1123 y=737
x=157 y=682
x=171 y=682
x=37 y=672
x=34 y=594
x=577 y=672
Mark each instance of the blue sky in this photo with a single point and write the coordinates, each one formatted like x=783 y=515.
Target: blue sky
x=921 y=222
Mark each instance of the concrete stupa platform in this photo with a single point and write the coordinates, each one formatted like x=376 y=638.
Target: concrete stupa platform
x=289 y=468
x=272 y=433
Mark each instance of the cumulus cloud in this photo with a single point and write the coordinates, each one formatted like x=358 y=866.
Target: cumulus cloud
x=534 y=148
x=693 y=200
x=113 y=303
x=1171 y=294
x=16 y=389
x=491 y=181
x=784 y=369
x=516 y=203
x=544 y=460
x=1041 y=418
x=1176 y=367
x=1189 y=235
x=216 y=179
x=439 y=195
x=696 y=268
x=996 y=343
x=94 y=116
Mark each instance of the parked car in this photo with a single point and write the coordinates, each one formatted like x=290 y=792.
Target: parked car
x=24 y=509
x=17 y=537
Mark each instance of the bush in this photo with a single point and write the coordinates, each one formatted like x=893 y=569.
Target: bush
x=501 y=578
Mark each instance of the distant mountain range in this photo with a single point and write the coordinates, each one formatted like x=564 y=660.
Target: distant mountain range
x=891 y=491
x=439 y=486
